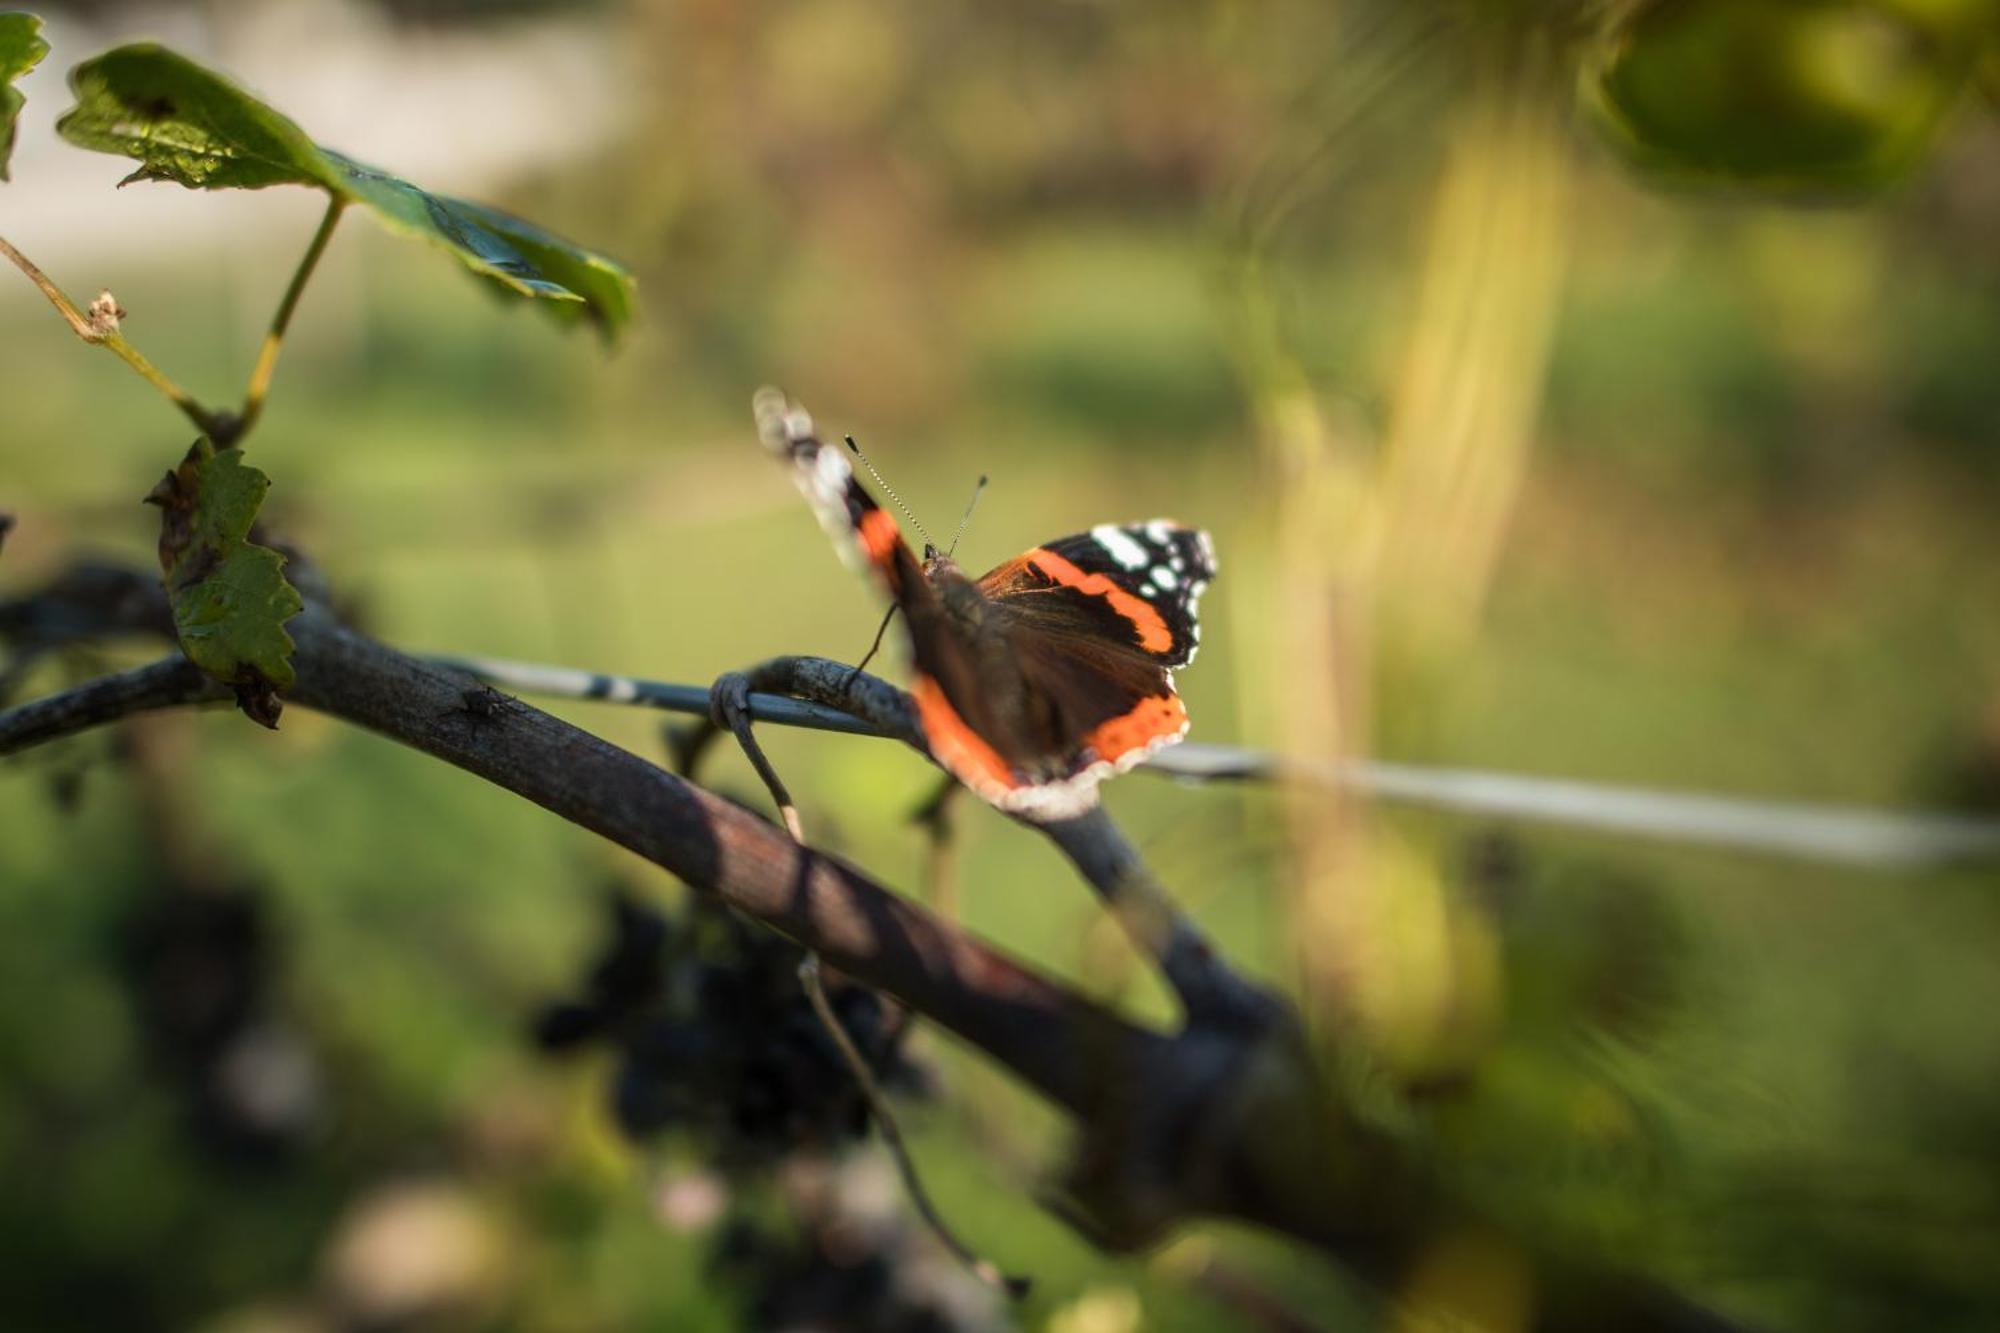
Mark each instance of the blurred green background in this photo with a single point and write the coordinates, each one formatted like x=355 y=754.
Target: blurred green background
x=1749 y=547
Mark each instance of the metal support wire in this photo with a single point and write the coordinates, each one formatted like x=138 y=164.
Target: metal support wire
x=1834 y=834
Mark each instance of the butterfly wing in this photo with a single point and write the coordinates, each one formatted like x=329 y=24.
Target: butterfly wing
x=863 y=532
x=1096 y=623
x=1067 y=678
x=1137 y=586
x=955 y=701
x=1078 y=713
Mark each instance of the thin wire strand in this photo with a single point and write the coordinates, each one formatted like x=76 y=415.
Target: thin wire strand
x=1830 y=834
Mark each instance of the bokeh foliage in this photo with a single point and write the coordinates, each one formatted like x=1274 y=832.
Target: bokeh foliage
x=1794 y=96
x=21 y=49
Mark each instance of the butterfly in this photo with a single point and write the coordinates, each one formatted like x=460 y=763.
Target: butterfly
x=1046 y=675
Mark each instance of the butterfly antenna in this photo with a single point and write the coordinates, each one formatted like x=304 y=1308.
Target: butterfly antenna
x=891 y=492
x=965 y=518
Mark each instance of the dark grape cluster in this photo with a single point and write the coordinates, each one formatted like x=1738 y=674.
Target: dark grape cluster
x=823 y=1279
x=199 y=964
x=714 y=1033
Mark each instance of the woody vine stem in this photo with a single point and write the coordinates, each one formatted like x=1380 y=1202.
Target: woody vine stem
x=99 y=326
x=100 y=329
x=1228 y=1115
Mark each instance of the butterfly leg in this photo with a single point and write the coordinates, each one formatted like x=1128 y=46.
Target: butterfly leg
x=940 y=867
x=873 y=648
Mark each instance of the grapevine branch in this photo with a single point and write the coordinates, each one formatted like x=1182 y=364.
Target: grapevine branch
x=1225 y=1119
x=171 y=682
x=1207 y=989
x=1078 y=1054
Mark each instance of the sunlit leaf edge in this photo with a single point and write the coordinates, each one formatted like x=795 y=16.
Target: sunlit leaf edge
x=217 y=136
x=521 y=258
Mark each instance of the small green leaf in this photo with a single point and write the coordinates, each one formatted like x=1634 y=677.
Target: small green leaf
x=21 y=49
x=184 y=123
x=519 y=256
x=229 y=595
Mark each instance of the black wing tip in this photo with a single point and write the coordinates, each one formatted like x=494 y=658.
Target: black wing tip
x=1200 y=543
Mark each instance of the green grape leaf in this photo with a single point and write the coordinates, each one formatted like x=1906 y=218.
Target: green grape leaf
x=21 y=49
x=1783 y=97
x=229 y=595
x=519 y=256
x=184 y=123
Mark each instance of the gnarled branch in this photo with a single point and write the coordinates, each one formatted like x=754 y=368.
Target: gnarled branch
x=1220 y=1118
x=1145 y=1096
x=1209 y=991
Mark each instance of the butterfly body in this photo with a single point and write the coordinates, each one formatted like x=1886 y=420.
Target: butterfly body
x=1041 y=678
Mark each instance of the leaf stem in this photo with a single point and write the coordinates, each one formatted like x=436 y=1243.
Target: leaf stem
x=267 y=355
x=892 y=1134
x=64 y=306
x=211 y=424
x=115 y=342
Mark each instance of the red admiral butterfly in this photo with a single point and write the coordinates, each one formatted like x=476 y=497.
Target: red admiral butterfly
x=1045 y=676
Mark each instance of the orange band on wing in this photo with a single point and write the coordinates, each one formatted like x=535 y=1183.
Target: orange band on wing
x=1154 y=636
x=878 y=535
x=1151 y=720
x=957 y=746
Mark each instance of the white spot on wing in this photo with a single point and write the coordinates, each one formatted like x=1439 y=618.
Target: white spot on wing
x=1163 y=578
x=1118 y=544
x=1160 y=531
x=822 y=477
x=830 y=474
